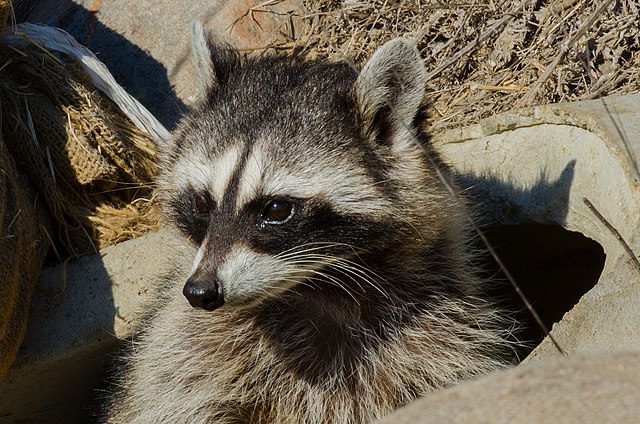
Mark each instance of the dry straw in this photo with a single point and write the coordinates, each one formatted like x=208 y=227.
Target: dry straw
x=484 y=56
x=85 y=159
x=75 y=174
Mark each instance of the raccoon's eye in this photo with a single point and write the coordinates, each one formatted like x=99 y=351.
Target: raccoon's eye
x=277 y=212
x=200 y=204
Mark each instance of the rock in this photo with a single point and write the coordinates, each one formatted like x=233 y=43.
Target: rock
x=573 y=390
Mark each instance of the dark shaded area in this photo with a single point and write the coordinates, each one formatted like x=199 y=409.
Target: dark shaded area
x=65 y=393
x=552 y=266
x=140 y=74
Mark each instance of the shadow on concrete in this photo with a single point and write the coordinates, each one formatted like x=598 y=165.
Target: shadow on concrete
x=552 y=266
x=66 y=351
x=140 y=74
x=545 y=202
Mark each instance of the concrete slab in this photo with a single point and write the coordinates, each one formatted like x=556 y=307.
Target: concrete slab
x=579 y=389
x=538 y=165
x=81 y=313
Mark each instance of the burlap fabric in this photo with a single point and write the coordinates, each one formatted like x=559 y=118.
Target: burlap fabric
x=5 y=12
x=84 y=157
x=75 y=176
x=23 y=246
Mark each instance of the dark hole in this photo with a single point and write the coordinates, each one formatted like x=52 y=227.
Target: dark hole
x=553 y=267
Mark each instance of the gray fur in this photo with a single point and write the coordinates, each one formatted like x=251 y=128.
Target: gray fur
x=394 y=77
x=202 y=57
x=364 y=298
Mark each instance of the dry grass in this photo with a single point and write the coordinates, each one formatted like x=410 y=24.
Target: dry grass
x=91 y=167
x=484 y=56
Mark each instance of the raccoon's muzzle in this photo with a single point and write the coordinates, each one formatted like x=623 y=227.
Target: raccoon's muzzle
x=204 y=293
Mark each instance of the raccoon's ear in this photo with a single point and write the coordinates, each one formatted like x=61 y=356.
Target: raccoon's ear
x=390 y=88
x=215 y=61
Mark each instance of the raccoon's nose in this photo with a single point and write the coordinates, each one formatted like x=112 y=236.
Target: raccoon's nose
x=203 y=293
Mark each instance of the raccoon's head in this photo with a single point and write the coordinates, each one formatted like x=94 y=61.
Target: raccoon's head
x=294 y=172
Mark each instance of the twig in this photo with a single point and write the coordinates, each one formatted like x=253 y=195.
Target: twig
x=499 y=87
x=476 y=43
x=564 y=49
x=616 y=233
x=623 y=138
x=251 y=12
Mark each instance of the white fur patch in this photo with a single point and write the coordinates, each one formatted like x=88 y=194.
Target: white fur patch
x=195 y=169
x=347 y=189
x=247 y=275
x=250 y=184
x=198 y=259
x=223 y=169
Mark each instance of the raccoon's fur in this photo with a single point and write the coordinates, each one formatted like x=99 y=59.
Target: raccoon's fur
x=333 y=280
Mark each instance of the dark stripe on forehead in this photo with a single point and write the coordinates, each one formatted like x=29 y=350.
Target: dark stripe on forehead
x=231 y=193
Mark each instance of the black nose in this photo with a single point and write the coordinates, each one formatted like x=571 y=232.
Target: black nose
x=203 y=293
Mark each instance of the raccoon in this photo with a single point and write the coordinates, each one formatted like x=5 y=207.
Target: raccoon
x=334 y=279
